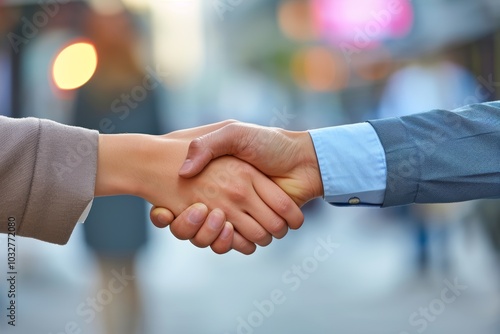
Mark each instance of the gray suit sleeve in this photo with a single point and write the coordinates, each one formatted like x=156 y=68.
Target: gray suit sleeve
x=442 y=156
x=47 y=177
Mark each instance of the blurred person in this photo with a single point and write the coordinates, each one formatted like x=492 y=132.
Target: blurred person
x=116 y=227
x=5 y=81
x=487 y=214
x=38 y=90
x=9 y=17
x=441 y=84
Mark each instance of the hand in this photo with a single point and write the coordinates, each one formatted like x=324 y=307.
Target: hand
x=289 y=157
x=195 y=223
x=203 y=230
x=246 y=196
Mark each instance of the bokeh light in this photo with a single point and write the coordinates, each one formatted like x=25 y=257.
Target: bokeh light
x=362 y=21
x=74 y=65
x=320 y=69
x=373 y=66
x=295 y=20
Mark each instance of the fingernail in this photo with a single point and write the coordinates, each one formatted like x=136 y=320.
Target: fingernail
x=196 y=215
x=162 y=219
x=186 y=166
x=225 y=234
x=215 y=220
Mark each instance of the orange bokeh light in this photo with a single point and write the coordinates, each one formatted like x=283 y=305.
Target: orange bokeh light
x=320 y=69
x=295 y=20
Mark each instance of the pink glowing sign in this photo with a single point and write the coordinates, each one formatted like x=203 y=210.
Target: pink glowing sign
x=369 y=21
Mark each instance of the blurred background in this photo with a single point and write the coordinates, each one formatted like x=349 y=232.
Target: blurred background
x=155 y=66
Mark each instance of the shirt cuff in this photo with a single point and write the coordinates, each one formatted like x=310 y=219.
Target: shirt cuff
x=352 y=164
x=85 y=213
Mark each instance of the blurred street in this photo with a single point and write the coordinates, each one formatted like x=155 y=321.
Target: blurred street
x=367 y=285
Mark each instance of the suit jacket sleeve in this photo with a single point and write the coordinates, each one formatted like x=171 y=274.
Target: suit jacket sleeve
x=442 y=156
x=47 y=176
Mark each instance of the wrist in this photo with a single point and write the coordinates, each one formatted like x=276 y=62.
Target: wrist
x=118 y=166
x=308 y=161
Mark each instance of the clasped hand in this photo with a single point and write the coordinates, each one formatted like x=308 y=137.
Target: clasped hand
x=240 y=201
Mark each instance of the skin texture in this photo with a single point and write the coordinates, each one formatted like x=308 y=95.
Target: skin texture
x=287 y=157
x=246 y=207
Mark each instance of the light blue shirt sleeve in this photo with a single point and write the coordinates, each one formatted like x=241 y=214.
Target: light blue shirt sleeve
x=352 y=164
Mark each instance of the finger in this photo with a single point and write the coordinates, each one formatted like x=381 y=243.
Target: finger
x=250 y=229
x=210 y=146
x=189 y=222
x=279 y=202
x=161 y=217
x=224 y=241
x=242 y=245
x=261 y=211
x=210 y=230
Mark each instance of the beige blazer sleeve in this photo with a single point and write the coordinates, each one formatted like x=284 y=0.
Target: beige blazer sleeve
x=47 y=176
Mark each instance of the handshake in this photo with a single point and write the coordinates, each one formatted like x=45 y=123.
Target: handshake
x=228 y=185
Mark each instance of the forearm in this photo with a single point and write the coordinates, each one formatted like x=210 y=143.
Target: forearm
x=138 y=165
x=442 y=156
x=145 y=166
x=118 y=165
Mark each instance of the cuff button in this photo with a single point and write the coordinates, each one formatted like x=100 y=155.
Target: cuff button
x=354 y=201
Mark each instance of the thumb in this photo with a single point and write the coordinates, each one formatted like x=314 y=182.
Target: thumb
x=161 y=217
x=208 y=147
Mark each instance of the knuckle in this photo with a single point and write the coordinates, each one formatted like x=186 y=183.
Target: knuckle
x=278 y=227
x=262 y=238
x=246 y=170
x=244 y=247
x=230 y=122
x=237 y=192
x=284 y=204
x=196 y=143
